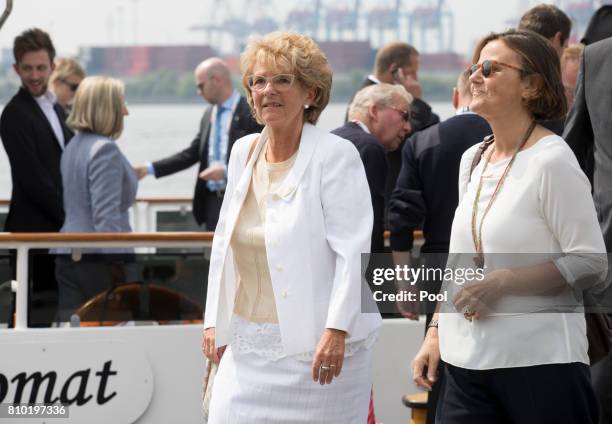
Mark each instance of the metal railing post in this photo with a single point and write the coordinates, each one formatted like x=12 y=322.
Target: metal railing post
x=21 y=302
x=7 y=11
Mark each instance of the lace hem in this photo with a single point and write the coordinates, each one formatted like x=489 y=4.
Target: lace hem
x=264 y=339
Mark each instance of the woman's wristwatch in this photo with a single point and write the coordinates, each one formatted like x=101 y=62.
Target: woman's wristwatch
x=432 y=323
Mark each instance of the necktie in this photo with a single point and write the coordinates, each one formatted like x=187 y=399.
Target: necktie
x=216 y=185
x=218 y=130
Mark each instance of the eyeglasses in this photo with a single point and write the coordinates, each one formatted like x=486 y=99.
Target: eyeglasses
x=280 y=82
x=406 y=115
x=489 y=66
x=71 y=85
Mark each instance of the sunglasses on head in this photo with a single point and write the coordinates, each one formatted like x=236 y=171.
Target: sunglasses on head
x=489 y=66
x=71 y=85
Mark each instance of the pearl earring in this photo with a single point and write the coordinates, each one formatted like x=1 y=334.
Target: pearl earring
x=306 y=106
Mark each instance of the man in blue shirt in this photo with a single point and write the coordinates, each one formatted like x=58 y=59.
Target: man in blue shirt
x=226 y=119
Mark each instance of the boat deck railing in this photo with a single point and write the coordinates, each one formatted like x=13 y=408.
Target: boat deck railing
x=23 y=243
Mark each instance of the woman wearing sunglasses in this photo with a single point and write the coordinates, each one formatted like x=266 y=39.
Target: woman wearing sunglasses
x=513 y=348
x=285 y=282
x=65 y=80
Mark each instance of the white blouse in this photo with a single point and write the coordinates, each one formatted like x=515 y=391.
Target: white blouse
x=544 y=208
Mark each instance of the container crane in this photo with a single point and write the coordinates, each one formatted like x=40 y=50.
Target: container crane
x=432 y=18
x=262 y=22
x=225 y=24
x=213 y=29
x=342 y=20
x=306 y=21
x=382 y=19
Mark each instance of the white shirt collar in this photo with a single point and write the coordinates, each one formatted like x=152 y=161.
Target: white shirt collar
x=372 y=78
x=362 y=125
x=464 y=110
x=49 y=96
x=231 y=101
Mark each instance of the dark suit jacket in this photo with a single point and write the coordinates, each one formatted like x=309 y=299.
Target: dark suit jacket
x=242 y=124
x=421 y=118
x=34 y=154
x=422 y=115
x=588 y=128
x=427 y=188
x=374 y=160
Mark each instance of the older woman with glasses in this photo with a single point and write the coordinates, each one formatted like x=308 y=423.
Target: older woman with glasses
x=514 y=342
x=65 y=80
x=285 y=280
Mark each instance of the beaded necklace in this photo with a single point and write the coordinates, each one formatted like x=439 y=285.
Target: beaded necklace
x=477 y=232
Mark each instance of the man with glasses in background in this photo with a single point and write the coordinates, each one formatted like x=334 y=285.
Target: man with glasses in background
x=226 y=119
x=398 y=63
x=379 y=121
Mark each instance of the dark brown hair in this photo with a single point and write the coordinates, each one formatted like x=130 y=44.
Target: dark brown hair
x=395 y=53
x=32 y=40
x=546 y=20
x=538 y=58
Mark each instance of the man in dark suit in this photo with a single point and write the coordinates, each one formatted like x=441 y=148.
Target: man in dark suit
x=226 y=119
x=587 y=131
x=426 y=193
x=378 y=124
x=398 y=63
x=34 y=135
x=553 y=24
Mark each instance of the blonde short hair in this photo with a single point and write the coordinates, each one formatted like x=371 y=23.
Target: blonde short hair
x=65 y=67
x=295 y=54
x=377 y=94
x=98 y=107
x=572 y=52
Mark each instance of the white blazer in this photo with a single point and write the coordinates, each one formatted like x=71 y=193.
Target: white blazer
x=315 y=230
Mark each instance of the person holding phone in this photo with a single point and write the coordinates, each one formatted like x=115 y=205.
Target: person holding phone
x=398 y=63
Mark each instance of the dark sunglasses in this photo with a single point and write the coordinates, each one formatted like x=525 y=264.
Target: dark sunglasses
x=72 y=86
x=489 y=66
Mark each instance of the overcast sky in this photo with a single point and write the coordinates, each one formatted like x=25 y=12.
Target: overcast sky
x=75 y=23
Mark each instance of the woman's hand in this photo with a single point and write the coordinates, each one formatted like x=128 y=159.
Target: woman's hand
x=208 y=346
x=476 y=300
x=328 y=358
x=425 y=363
